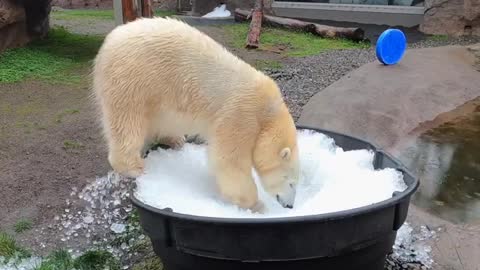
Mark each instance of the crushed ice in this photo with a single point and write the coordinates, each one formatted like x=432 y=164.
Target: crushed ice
x=411 y=246
x=96 y=217
x=331 y=180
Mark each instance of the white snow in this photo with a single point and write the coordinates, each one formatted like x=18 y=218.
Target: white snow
x=218 y=12
x=331 y=180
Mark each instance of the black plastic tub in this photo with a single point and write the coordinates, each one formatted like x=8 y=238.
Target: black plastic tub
x=359 y=238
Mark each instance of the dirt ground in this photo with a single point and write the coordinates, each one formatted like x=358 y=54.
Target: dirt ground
x=50 y=142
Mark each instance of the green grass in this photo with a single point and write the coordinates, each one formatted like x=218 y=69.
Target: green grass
x=71 y=145
x=57 y=260
x=9 y=247
x=61 y=259
x=296 y=44
x=72 y=14
x=55 y=59
x=163 y=13
x=96 y=14
x=22 y=226
x=438 y=37
x=96 y=260
x=90 y=260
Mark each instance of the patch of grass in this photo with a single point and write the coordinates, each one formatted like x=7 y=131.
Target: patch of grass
x=57 y=260
x=90 y=260
x=61 y=115
x=22 y=226
x=271 y=64
x=438 y=37
x=153 y=263
x=163 y=13
x=72 y=145
x=55 y=59
x=291 y=43
x=96 y=260
x=99 y=14
x=9 y=247
x=96 y=14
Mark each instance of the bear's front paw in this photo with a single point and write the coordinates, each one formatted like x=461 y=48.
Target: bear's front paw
x=258 y=208
x=173 y=142
x=134 y=172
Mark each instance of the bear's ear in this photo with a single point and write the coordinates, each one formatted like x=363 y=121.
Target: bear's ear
x=285 y=153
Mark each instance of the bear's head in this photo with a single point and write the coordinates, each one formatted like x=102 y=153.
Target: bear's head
x=275 y=156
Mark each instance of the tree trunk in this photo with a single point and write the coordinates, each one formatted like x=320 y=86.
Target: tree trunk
x=356 y=34
x=253 y=36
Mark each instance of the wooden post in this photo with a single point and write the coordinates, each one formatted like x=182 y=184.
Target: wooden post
x=129 y=12
x=253 y=37
x=147 y=10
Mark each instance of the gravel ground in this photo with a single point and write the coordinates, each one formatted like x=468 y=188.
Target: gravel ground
x=301 y=78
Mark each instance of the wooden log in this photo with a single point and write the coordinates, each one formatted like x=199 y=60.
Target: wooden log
x=253 y=37
x=356 y=34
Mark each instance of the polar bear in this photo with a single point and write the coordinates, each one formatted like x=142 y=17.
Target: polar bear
x=161 y=79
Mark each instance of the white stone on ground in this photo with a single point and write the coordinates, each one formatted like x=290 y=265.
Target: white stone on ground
x=218 y=12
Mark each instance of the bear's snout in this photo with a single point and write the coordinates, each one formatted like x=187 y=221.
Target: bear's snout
x=287 y=198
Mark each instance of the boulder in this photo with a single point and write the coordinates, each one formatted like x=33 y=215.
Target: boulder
x=22 y=21
x=451 y=17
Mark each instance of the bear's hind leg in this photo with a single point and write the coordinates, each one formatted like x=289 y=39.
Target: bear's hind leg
x=126 y=144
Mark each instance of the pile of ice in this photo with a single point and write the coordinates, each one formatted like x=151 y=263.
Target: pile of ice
x=411 y=246
x=32 y=263
x=218 y=12
x=95 y=216
x=331 y=180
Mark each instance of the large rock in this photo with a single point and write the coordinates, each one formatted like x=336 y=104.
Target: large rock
x=22 y=21
x=13 y=26
x=386 y=104
x=452 y=17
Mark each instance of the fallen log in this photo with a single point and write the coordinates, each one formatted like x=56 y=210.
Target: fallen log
x=253 y=36
x=356 y=34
